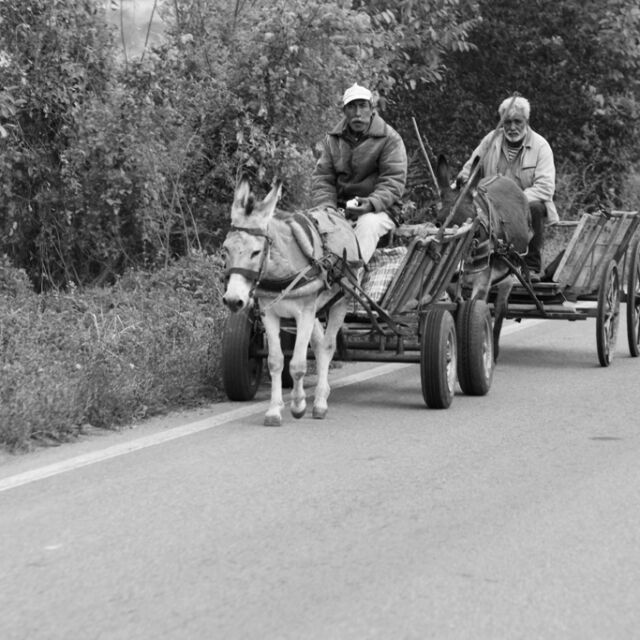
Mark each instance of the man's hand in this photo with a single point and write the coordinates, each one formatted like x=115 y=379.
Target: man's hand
x=356 y=207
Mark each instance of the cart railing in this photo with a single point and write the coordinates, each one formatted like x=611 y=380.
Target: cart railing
x=427 y=269
x=597 y=239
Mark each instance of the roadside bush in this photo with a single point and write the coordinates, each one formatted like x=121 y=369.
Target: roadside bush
x=107 y=357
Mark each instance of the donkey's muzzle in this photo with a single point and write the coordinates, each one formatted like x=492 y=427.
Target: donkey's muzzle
x=232 y=303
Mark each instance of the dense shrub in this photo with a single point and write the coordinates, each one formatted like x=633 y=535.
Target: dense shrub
x=107 y=356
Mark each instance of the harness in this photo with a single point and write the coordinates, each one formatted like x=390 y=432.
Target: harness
x=254 y=276
x=282 y=286
x=329 y=268
x=496 y=240
x=307 y=275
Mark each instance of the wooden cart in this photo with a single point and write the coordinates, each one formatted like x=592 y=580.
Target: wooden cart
x=414 y=321
x=599 y=269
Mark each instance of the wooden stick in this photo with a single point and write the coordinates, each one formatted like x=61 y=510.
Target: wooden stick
x=425 y=154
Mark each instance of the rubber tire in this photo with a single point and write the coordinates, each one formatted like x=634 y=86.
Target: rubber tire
x=608 y=314
x=438 y=358
x=633 y=299
x=475 y=347
x=241 y=370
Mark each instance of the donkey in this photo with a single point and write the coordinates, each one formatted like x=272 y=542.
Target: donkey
x=278 y=258
x=502 y=236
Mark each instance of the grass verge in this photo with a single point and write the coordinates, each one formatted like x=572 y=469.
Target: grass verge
x=107 y=357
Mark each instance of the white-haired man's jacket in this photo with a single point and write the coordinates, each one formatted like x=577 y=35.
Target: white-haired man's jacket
x=535 y=172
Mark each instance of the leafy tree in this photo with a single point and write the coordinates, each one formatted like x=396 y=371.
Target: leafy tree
x=108 y=165
x=284 y=65
x=52 y=62
x=577 y=62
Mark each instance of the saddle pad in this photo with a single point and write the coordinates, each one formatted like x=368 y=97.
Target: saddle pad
x=381 y=269
x=337 y=233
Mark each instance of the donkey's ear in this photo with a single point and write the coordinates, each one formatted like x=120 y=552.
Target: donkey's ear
x=442 y=172
x=242 y=194
x=243 y=202
x=271 y=199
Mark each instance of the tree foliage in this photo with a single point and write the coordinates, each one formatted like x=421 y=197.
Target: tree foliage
x=108 y=165
x=577 y=62
x=55 y=61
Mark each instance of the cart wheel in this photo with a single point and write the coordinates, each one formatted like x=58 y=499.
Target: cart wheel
x=633 y=300
x=475 y=347
x=438 y=349
x=241 y=368
x=287 y=342
x=608 y=314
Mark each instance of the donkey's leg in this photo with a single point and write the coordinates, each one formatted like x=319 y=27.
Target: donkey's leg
x=500 y=311
x=324 y=346
x=298 y=364
x=273 y=416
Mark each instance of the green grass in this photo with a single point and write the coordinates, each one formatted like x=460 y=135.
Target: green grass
x=107 y=357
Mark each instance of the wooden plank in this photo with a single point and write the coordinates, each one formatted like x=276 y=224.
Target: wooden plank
x=578 y=249
x=404 y=282
x=410 y=284
x=421 y=273
x=449 y=261
x=596 y=241
x=402 y=267
x=588 y=278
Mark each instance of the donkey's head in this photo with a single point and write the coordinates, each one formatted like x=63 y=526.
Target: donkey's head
x=454 y=196
x=246 y=247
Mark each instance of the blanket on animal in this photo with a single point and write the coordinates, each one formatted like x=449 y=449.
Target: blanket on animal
x=504 y=211
x=313 y=236
x=337 y=234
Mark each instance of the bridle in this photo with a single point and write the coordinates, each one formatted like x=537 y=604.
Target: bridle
x=282 y=287
x=253 y=275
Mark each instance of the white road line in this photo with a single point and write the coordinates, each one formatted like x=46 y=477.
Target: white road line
x=211 y=422
x=84 y=460
x=519 y=326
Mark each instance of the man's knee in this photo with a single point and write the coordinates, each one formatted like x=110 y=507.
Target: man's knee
x=377 y=223
x=369 y=228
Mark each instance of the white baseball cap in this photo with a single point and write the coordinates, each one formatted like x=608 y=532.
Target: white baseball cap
x=356 y=92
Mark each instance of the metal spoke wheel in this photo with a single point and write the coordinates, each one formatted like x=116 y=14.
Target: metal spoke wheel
x=608 y=313
x=475 y=347
x=438 y=357
x=241 y=364
x=633 y=299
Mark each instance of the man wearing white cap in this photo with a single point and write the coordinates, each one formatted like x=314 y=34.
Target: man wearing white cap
x=363 y=170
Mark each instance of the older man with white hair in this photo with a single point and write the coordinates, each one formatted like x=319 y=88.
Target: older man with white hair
x=520 y=153
x=362 y=169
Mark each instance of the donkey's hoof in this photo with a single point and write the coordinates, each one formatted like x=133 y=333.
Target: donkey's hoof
x=319 y=414
x=298 y=413
x=272 y=421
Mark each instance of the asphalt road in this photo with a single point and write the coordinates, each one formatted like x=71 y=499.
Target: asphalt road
x=515 y=515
